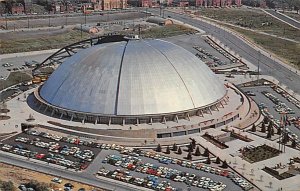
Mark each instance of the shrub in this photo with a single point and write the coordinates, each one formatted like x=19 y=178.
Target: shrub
x=189 y=156
x=168 y=150
x=158 y=148
x=179 y=151
x=224 y=165
x=7 y=186
x=206 y=152
x=174 y=147
x=263 y=128
x=197 y=153
x=208 y=160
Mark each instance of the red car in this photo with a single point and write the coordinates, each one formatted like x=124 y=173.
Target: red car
x=40 y=156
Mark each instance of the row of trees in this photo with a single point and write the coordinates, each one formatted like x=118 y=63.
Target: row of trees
x=190 y=150
x=270 y=132
x=177 y=149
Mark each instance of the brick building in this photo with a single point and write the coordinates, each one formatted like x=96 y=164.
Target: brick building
x=17 y=8
x=114 y=4
x=145 y=3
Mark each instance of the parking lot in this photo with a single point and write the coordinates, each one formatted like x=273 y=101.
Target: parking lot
x=18 y=62
x=200 y=41
x=69 y=152
x=147 y=171
x=259 y=95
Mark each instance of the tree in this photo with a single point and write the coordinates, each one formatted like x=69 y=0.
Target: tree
x=224 y=165
x=266 y=120
x=269 y=135
x=190 y=147
x=294 y=144
x=263 y=128
x=285 y=138
x=189 y=156
x=174 y=147
x=197 y=153
x=279 y=131
x=38 y=186
x=158 y=148
x=208 y=160
x=206 y=152
x=7 y=186
x=194 y=143
x=253 y=129
x=179 y=151
x=270 y=128
x=168 y=150
x=218 y=160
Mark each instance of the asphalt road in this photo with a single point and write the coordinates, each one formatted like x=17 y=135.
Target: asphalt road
x=33 y=22
x=284 y=18
x=79 y=177
x=267 y=65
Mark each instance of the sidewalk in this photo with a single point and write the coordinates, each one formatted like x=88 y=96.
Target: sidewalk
x=245 y=168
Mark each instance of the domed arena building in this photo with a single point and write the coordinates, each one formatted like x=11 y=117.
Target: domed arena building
x=137 y=80
x=150 y=84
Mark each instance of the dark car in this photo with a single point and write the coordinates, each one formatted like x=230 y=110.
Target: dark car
x=69 y=185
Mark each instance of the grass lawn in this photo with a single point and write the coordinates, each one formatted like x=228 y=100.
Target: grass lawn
x=41 y=43
x=252 y=19
x=14 y=78
x=166 y=31
x=59 y=40
x=293 y=15
x=287 y=50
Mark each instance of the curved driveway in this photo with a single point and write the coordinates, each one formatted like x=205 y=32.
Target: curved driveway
x=267 y=65
x=284 y=18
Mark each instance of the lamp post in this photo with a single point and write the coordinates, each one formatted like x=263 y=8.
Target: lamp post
x=258 y=64
x=5 y=21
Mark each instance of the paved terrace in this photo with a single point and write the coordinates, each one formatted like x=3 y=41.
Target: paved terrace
x=20 y=111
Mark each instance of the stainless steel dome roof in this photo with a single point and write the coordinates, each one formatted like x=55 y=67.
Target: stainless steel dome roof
x=137 y=77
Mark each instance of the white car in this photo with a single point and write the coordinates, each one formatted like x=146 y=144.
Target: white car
x=57 y=180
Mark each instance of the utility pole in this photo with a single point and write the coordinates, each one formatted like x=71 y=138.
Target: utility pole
x=258 y=67
x=28 y=22
x=6 y=22
x=139 y=30
x=160 y=11
x=66 y=19
x=85 y=18
x=49 y=22
x=81 y=30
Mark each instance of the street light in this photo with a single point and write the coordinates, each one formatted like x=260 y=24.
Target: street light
x=5 y=21
x=258 y=67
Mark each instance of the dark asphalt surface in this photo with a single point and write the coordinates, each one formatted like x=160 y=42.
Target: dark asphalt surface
x=267 y=65
x=284 y=18
x=79 y=177
x=39 y=150
x=260 y=98
x=230 y=185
